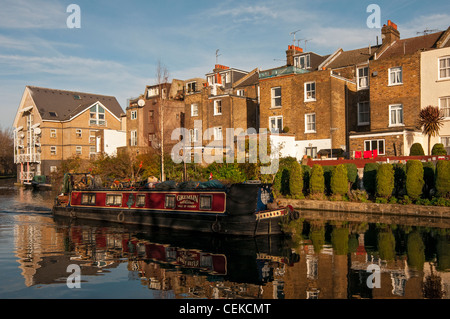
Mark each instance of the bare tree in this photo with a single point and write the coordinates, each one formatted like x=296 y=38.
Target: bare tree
x=7 y=151
x=162 y=78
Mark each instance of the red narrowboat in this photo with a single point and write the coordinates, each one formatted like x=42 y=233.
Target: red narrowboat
x=237 y=209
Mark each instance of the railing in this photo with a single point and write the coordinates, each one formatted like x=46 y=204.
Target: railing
x=27 y=158
x=281 y=71
x=26 y=176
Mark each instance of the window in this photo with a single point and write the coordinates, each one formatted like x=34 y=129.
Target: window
x=97 y=115
x=371 y=145
x=363 y=113
x=218 y=107
x=169 y=201
x=194 y=109
x=53 y=133
x=310 y=91
x=191 y=87
x=152 y=91
x=445 y=140
x=218 y=133
x=240 y=92
x=302 y=61
x=276 y=97
x=396 y=115
x=92 y=137
x=310 y=123
x=363 y=78
x=311 y=151
x=133 y=115
x=276 y=124
x=78 y=133
x=140 y=200
x=92 y=151
x=114 y=200
x=210 y=79
x=53 y=114
x=194 y=135
x=226 y=78
x=205 y=202
x=52 y=150
x=444 y=106
x=78 y=150
x=444 y=67
x=133 y=141
x=395 y=76
x=88 y=199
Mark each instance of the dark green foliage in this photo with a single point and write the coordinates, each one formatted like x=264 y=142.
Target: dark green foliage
x=399 y=179
x=370 y=177
x=306 y=177
x=414 y=179
x=327 y=170
x=416 y=150
x=438 y=149
x=386 y=245
x=428 y=177
x=352 y=174
x=317 y=180
x=281 y=181
x=296 y=180
x=385 y=180
x=443 y=178
x=443 y=253
x=339 y=180
x=339 y=240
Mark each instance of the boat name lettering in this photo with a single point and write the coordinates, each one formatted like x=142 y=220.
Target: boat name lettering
x=193 y=198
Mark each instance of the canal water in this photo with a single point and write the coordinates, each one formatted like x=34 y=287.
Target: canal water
x=329 y=258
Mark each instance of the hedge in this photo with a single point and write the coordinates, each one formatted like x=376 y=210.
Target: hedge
x=296 y=180
x=339 y=180
x=416 y=150
x=370 y=176
x=385 y=180
x=414 y=179
x=443 y=178
x=317 y=180
x=438 y=149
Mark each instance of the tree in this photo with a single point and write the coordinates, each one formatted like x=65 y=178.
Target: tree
x=431 y=121
x=443 y=178
x=385 y=180
x=296 y=180
x=416 y=150
x=414 y=179
x=369 y=177
x=438 y=149
x=162 y=77
x=317 y=181
x=339 y=180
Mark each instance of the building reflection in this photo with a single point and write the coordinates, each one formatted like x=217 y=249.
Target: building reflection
x=329 y=262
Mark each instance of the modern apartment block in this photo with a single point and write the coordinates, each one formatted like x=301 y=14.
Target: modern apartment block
x=53 y=125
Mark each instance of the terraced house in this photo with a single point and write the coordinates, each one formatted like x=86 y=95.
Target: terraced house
x=53 y=125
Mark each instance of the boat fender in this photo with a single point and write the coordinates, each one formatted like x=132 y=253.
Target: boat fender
x=120 y=217
x=216 y=226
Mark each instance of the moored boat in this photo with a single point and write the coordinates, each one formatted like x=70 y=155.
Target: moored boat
x=236 y=209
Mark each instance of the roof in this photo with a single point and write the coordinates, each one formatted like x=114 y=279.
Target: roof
x=251 y=78
x=352 y=57
x=412 y=45
x=61 y=105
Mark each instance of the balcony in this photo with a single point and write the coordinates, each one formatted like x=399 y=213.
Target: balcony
x=27 y=158
x=285 y=70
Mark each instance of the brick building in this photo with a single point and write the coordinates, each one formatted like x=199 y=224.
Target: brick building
x=143 y=120
x=228 y=98
x=53 y=125
x=387 y=121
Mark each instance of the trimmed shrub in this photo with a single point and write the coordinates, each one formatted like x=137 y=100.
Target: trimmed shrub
x=443 y=178
x=339 y=180
x=399 y=179
x=369 y=177
x=416 y=150
x=438 y=149
x=385 y=180
x=352 y=174
x=296 y=180
x=317 y=181
x=281 y=180
x=306 y=170
x=327 y=170
x=414 y=179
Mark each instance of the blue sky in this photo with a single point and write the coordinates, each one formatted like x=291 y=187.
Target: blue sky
x=117 y=48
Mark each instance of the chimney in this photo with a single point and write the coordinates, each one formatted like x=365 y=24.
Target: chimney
x=290 y=52
x=389 y=33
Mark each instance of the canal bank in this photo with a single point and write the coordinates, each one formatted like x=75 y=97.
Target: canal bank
x=373 y=212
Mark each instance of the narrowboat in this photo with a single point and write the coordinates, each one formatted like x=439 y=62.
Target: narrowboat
x=237 y=209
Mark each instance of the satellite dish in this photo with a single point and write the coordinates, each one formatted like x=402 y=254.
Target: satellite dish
x=141 y=102
x=37 y=131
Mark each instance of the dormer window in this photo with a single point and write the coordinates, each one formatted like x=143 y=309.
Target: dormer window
x=152 y=92
x=302 y=61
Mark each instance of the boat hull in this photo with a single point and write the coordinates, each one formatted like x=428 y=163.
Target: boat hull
x=247 y=225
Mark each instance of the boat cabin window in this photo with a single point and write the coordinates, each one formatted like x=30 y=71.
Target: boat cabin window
x=140 y=200
x=88 y=199
x=205 y=201
x=114 y=199
x=170 y=201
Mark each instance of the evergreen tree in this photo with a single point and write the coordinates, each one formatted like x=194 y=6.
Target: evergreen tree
x=317 y=181
x=385 y=180
x=339 y=180
x=414 y=179
x=296 y=180
x=443 y=178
